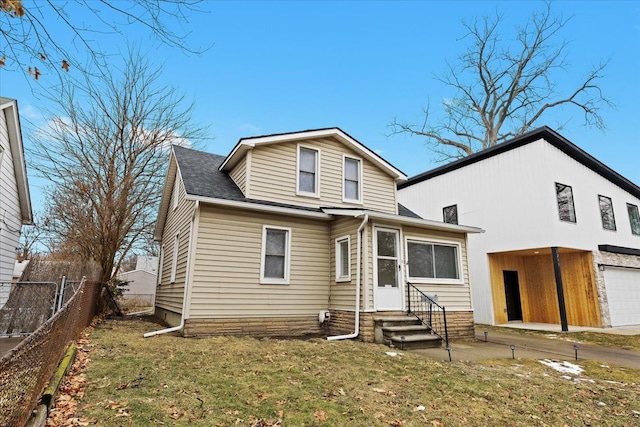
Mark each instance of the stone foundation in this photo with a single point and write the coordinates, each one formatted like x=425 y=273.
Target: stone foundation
x=459 y=324
x=277 y=327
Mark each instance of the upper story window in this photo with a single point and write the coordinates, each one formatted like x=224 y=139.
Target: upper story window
x=450 y=214
x=352 y=180
x=308 y=171
x=566 y=209
x=606 y=212
x=276 y=250
x=634 y=218
x=433 y=262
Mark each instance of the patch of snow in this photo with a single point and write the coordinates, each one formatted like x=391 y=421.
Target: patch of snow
x=565 y=367
x=636 y=412
x=602 y=404
x=393 y=353
x=420 y=408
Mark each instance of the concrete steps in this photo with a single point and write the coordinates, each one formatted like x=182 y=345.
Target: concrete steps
x=404 y=333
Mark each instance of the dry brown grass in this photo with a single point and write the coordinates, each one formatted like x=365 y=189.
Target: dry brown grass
x=226 y=381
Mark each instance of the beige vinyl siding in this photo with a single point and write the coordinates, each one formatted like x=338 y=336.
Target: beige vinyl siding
x=343 y=293
x=226 y=279
x=239 y=175
x=274 y=170
x=9 y=207
x=454 y=297
x=169 y=296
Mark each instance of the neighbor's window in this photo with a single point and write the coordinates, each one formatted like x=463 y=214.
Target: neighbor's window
x=567 y=212
x=174 y=260
x=308 y=162
x=450 y=214
x=634 y=218
x=276 y=249
x=343 y=259
x=352 y=173
x=606 y=212
x=429 y=260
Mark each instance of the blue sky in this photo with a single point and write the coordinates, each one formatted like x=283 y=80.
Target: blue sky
x=287 y=66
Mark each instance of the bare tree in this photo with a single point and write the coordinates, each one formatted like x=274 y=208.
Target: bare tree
x=105 y=153
x=31 y=237
x=54 y=36
x=503 y=88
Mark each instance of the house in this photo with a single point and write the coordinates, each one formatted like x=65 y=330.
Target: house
x=141 y=281
x=299 y=234
x=15 y=202
x=562 y=240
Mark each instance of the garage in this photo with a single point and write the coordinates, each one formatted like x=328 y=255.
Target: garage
x=623 y=294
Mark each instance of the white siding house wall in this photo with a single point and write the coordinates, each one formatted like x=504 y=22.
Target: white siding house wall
x=10 y=219
x=512 y=196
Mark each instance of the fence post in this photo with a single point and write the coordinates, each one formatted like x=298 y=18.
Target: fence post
x=61 y=295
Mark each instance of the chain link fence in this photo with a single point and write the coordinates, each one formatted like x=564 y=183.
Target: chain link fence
x=27 y=368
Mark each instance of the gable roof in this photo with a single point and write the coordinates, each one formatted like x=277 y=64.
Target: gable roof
x=9 y=108
x=550 y=136
x=246 y=144
x=204 y=180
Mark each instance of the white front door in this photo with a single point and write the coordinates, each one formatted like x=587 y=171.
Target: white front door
x=387 y=269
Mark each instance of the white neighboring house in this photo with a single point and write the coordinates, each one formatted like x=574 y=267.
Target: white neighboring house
x=142 y=280
x=15 y=202
x=536 y=195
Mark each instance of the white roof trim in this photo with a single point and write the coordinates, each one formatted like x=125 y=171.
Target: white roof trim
x=246 y=144
x=10 y=108
x=169 y=179
x=260 y=207
x=423 y=223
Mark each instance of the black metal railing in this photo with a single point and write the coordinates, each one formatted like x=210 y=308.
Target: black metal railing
x=428 y=311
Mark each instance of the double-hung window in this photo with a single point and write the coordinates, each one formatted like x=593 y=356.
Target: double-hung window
x=343 y=259
x=431 y=262
x=308 y=171
x=634 y=218
x=566 y=209
x=276 y=250
x=606 y=213
x=352 y=180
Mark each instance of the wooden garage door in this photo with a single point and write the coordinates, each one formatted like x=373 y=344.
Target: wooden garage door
x=623 y=294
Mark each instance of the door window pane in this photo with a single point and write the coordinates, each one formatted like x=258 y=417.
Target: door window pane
x=386 y=243
x=387 y=273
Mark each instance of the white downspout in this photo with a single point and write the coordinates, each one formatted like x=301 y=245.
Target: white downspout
x=186 y=279
x=356 y=331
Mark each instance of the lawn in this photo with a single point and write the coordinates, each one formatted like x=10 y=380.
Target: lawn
x=226 y=381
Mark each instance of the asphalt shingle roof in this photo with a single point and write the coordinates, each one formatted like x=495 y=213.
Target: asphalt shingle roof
x=201 y=177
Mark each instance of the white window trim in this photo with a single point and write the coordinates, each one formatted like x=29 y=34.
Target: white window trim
x=315 y=194
x=338 y=241
x=160 y=265
x=174 y=259
x=344 y=189
x=287 y=257
x=457 y=245
x=176 y=191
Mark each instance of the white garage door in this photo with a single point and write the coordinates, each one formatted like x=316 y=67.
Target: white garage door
x=623 y=293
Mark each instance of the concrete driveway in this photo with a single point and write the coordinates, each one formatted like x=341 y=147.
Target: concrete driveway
x=498 y=346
